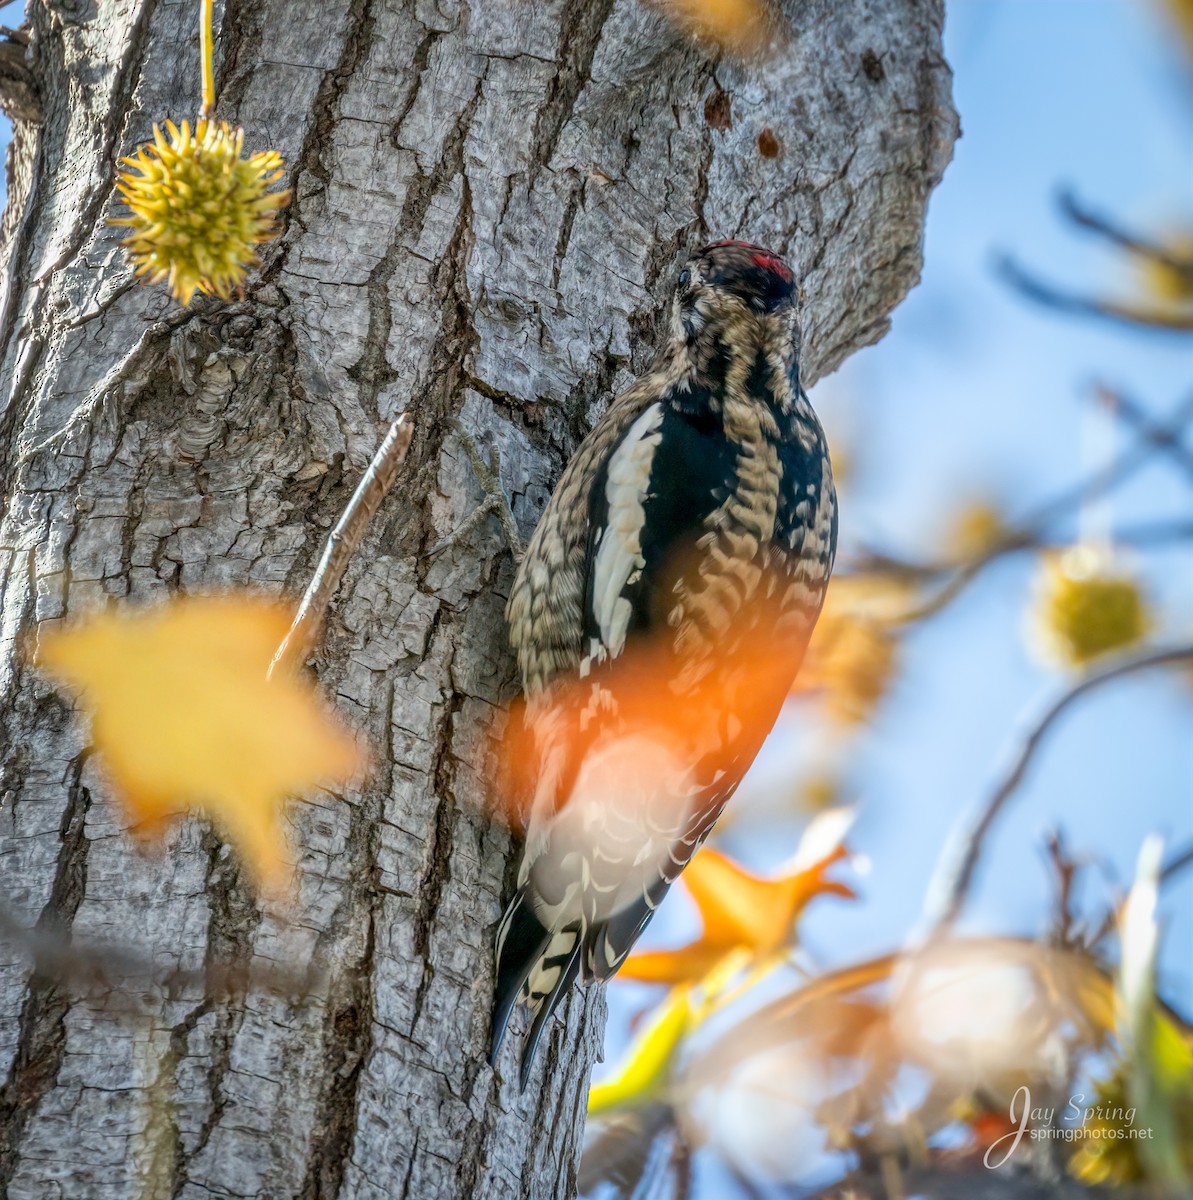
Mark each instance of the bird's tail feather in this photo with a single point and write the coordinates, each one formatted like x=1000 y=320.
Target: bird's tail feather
x=536 y=965
x=521 y=941
x=567 y=966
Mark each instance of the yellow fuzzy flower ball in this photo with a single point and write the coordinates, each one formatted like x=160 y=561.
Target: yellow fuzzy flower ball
x=198 y=208
x=1087 y=607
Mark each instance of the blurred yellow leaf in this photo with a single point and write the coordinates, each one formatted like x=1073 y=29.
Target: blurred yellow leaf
x=1109 y=1151
x=1151 y=1087
x=739 y=911
x=646 y=1067
x=184 y=717
x=1106 y=1155
x=854 y=653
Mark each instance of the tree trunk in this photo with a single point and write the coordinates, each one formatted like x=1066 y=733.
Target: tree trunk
x=489 y=203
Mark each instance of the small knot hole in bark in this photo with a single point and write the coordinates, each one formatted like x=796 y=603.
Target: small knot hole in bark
x=716 y=110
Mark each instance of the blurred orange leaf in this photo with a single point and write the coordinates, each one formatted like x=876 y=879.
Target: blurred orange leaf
x=740 y=911
x=184 y=716
x=620 y=756
x=633 y=719
x=743 y=27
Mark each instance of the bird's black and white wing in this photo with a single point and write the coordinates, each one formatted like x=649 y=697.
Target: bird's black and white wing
x=678 y=518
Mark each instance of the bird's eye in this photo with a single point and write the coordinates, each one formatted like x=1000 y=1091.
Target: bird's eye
x=685 y=277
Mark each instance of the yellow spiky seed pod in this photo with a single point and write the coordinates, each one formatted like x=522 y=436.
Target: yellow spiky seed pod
x=198 y=208
x=1087 y=607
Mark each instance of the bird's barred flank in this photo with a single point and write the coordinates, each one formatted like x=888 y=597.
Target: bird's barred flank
x=659 y=617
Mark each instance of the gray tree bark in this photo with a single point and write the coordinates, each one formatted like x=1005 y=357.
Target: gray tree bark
x=489 y=200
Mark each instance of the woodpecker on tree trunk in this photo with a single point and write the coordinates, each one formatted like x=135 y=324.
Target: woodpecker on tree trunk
x=675 y=577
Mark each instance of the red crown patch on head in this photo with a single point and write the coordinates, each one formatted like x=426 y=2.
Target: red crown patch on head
x=759 y=256
x=772 y=262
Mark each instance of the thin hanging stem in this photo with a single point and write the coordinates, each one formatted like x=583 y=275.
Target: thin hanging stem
x=206 y=55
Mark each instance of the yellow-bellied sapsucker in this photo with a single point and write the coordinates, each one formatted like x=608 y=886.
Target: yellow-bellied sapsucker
x=697 y=523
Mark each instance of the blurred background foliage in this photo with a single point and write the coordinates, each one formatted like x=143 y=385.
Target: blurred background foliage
x=979 y=762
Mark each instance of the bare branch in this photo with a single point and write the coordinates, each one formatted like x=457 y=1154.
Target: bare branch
x=1144 y=535
x=56 y=955
x=1166 y=437
x=1064 y=872
x=958 y=861
x=681 y=1169
x=1174 y=867
x=1178 y=863
x=1030 y=533
x=1164 y=531
x=1112 y=232
x=1166 y=320
x=1109 y=476
x=342 y=542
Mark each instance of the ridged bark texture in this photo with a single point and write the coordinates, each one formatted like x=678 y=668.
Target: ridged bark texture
x=489 y=203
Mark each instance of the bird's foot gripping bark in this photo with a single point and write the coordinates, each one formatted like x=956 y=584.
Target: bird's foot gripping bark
x=495 y=502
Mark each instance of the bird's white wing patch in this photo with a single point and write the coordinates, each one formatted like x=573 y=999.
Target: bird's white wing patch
x=619 y=554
